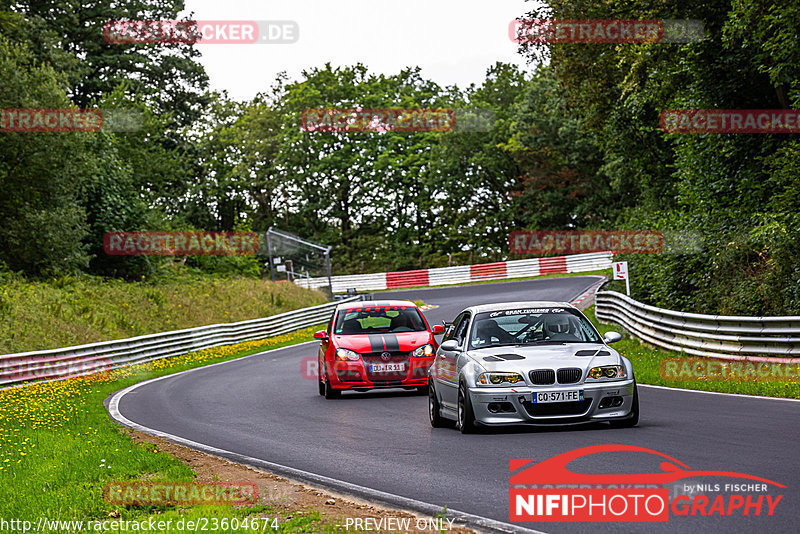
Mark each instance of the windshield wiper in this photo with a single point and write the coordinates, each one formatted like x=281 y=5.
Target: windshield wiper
x=542 y=341
x=499 y=345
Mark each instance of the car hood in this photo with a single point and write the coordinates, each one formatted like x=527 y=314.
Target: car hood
x=556 y=356
x=401 y=341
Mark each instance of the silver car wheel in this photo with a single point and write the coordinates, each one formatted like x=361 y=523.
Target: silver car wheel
x=437 y=421
x=460 y=412
x=466 y=417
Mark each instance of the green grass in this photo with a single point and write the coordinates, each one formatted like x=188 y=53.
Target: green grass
x=37 y=315
x=58 y=448
x=606 y=272
x=647 y=361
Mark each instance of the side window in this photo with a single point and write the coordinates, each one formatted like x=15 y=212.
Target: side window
x=461 y=329
x=451 y=328
x=330 y=324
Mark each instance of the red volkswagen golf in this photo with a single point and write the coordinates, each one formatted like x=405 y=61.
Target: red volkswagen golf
x=380 y=344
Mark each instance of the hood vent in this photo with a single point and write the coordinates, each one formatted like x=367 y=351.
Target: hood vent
x=503 y=357
x=510 y=356
x=590 y=352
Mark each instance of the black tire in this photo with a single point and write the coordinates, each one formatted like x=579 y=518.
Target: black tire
x=633 y=420
x=466 y=416
x=331 y=393
x=321 y=385
x=436 y=419
x=422 y=390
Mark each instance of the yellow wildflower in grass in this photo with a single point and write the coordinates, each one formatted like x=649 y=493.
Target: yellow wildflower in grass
x=54 y=405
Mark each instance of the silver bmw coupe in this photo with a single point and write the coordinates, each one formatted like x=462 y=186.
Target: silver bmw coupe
x=540 y=363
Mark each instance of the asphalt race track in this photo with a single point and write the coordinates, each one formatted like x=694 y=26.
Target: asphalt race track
x=263 y=407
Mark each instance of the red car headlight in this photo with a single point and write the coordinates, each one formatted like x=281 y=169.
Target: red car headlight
x=425 y=351
x=344 y=355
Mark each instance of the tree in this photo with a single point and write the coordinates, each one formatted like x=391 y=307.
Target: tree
x=730 y=188
x=167 y=75
x=42 y=224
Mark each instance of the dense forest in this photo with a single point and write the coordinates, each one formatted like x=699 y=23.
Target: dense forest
x=574 y=143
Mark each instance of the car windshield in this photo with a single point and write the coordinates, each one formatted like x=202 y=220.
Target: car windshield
x=531 y=326
x=379 y=319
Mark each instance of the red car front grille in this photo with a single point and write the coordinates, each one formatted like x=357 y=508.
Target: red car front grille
x=394 y=358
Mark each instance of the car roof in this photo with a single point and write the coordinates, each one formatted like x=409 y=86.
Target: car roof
x=500 y=306
x=374 y=303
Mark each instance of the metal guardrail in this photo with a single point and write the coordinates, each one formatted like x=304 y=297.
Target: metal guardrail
x=764 y=339
x=79 y=360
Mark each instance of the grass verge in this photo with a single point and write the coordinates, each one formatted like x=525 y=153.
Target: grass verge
x=58 y=449
x=38 y=315
x=646 y=362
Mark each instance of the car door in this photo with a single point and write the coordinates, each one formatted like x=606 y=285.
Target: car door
x=441 y=363
x=323 y=349
x=447 y=366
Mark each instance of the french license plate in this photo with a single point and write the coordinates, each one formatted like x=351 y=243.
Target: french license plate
x=574 y=395
x=386 y=367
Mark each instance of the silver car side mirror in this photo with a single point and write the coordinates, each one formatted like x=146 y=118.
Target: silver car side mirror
x=612 y=337
x=449 y=345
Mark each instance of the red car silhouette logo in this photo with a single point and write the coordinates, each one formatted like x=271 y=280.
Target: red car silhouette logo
x=554 y=470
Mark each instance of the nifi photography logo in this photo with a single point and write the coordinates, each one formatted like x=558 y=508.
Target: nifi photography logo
x=549 y=491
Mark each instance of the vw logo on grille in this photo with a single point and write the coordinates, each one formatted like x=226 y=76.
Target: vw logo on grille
x=386 y=356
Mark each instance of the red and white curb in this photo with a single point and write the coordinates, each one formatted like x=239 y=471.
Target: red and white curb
x=464 y=274
x=589 y=292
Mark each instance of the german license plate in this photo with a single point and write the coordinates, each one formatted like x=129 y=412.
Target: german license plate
x=387 y=367
x=574 y=395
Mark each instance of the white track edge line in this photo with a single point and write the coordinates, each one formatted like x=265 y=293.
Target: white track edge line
x=114 y=412
x=738 y=395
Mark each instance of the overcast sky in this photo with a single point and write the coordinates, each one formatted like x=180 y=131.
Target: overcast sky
x=453 y=41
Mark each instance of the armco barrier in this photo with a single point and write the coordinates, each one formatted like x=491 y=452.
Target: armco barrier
x=464 y=273
x=764 y=339
x=85 y=359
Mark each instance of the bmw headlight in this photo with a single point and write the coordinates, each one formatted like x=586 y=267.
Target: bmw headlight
x=344 y=355
x=496 y=379
x=425 y=351
x=607 y=372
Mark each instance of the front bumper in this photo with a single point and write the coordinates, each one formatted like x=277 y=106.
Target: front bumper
x=354 y=375
x=513 y=406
